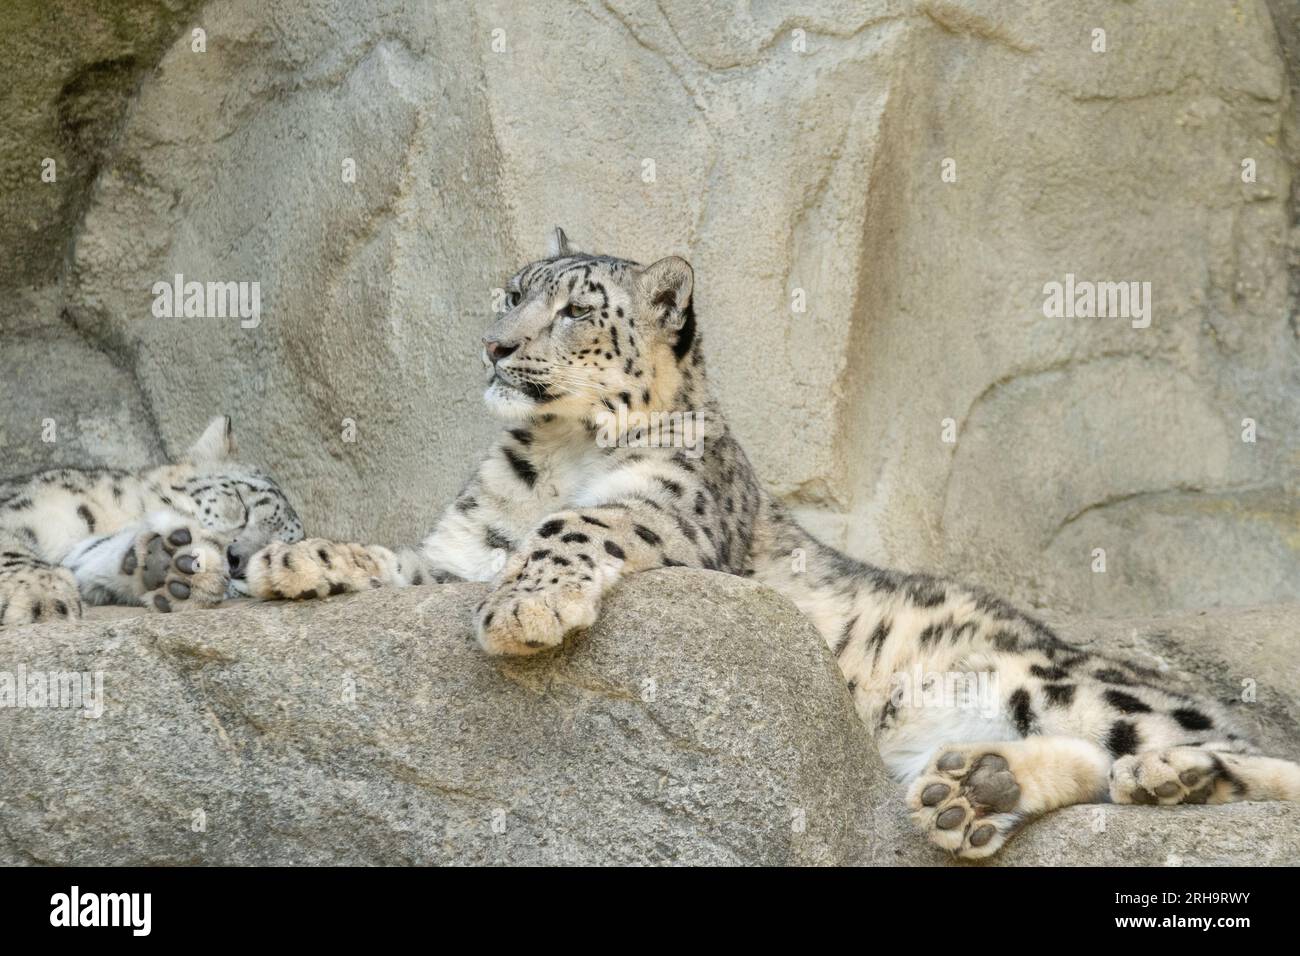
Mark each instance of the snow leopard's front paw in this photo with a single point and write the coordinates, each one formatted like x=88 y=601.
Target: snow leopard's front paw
x=176 y=567
x=33 y=593
x=535 y=609
x=968 y=801
x=317 y=568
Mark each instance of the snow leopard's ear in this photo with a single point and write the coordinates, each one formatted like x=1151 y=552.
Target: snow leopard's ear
x=557 y=244
x=668 y=284
x=216 y=444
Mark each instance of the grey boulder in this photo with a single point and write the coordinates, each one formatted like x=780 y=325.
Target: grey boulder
x=702 y=721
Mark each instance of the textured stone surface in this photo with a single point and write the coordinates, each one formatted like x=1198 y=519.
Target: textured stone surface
x=83 y=410
x=701 y=721
x=795 y=147
x=654 y=740
x=1240 y=834
x=72 y=68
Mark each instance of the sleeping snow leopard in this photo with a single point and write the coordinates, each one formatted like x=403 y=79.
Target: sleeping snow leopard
x=572 y=499
x=167 y=538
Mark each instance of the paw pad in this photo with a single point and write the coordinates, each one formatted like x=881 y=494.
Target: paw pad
x=1172 y=776
x=178 y=568
x=967 y=801
x=934 y=794
x=992 y=785
x=950 y=818
x=953 y=760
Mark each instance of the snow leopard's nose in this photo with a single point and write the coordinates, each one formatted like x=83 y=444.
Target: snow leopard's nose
x=497 y=351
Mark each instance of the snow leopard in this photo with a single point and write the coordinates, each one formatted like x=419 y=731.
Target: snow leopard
x=615 y=458
x=170 y=538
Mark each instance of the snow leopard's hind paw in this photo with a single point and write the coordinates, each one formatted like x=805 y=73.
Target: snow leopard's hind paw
x=968 y=801
x=974 y=797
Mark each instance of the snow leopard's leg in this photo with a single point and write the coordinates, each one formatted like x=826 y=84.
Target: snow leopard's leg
x=554 y=581
x=1202 y=774
x=317 y=567
x=165 y=563
x=31 y=590
x=973 y=797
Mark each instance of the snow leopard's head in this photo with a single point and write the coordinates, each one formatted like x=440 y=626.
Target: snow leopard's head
x=238 y=502
x=582 y=335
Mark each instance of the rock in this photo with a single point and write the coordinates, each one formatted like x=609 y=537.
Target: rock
x=1239 y=834
x=74 y=68
x=701 y=722
x=67 y=405
x=853 y=301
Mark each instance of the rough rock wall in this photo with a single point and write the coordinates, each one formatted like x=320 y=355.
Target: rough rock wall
x=796 y=156
x=71 y=69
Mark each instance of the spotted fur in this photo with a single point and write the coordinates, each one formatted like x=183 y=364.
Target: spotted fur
x=166 y=538
x=569 y=502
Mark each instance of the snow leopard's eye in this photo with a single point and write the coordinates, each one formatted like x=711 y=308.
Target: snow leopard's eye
x=512 y=299
x=572 y=311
